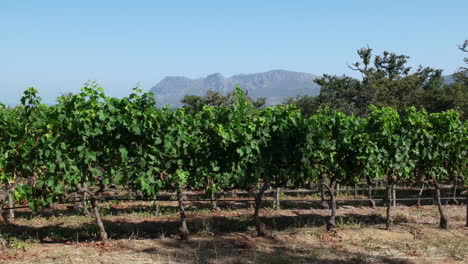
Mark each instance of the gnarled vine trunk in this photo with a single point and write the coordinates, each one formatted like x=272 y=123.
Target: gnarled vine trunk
x=331 y=220
x=97 y=217
x=213 y=198
x=184 y=232
x=369 y=192
x=3 y=243
x=2 y=201
x=389 y=222
x=11 y=212
x=454 y=191
x=443 y=217
x=466 y=200
x=421 y=190
x=323 y=201
x=213 y=202
x=277 y=198
x=259 y=226
x=156 y=205
x=84 y=203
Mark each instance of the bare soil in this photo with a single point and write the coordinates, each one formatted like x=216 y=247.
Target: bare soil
x=62 y=235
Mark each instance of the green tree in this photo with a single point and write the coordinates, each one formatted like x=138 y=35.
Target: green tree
x=461 y=76
x=195 y=103
x=308 y=105
x=386 y=81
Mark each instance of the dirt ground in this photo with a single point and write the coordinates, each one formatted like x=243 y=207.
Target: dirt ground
x=295 y=236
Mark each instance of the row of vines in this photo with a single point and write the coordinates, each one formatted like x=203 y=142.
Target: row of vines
x=90 y=144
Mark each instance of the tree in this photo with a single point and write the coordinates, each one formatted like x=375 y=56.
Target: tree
x=451 y=96
x=192 y=103
x=195 y=103
x=308 y=105
x=343 y=93
x=461 y=76
x=391 y=82
x=386 y=81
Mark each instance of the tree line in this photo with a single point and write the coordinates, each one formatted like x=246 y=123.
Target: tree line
x=386 y=80
x=91 y=144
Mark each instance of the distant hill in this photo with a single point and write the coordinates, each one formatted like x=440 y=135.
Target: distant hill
x=276 y=85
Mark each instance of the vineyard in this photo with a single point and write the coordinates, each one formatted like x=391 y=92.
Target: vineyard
x=89 y=147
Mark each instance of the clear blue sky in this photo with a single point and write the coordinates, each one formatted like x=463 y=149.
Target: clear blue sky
x=56 y=46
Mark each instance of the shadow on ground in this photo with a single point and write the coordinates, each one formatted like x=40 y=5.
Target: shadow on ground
x=242 y=249
x=206 y=225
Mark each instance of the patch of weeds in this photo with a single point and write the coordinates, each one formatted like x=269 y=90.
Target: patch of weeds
x=135 y=234
x=453 y=248
x=398 y=245
x=204 y=210
x=228 y=208
x=315 y=232
x=55 y=236
x=290 y=229
x=19 y=244
x=162 y=233
x=207 y=227
x=351 y=222
x=167 y=210
x=371 y=245
x=400 y=217
x=282 y=196
x=77 y=218
x=435 y=211
x=319 y=253
x=142 y=214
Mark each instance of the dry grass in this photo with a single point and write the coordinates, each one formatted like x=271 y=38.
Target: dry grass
x=297 y=236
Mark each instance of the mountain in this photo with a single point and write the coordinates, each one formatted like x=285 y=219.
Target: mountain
x=276 y=85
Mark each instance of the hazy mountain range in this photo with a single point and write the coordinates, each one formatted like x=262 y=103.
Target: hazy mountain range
x=276 y=85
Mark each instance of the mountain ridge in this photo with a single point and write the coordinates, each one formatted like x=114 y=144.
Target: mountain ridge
x=276 y=85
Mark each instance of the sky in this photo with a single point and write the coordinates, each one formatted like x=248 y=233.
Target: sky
x=57 y=46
